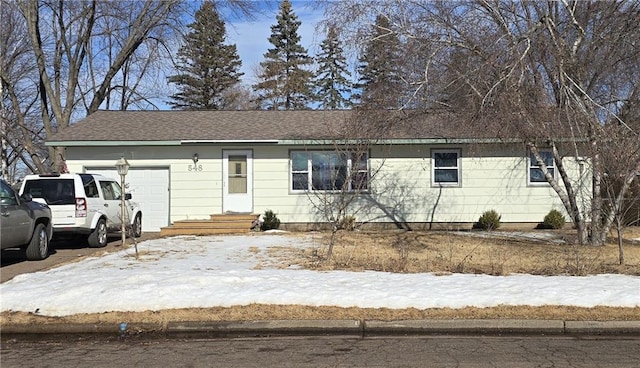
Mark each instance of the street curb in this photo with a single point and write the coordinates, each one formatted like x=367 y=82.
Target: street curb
x=468 y=326
x=78 y=328
x=352 y=328
x=338 y=328
x=602 y=328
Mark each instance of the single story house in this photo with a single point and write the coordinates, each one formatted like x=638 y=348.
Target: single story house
x=403 y=171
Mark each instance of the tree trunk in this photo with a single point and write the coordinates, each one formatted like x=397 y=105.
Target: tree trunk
x=620 y=248
x=332 y=240
x=597 y=237
x=567 y=195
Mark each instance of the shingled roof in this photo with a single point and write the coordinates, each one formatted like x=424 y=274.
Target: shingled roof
x=255 y=125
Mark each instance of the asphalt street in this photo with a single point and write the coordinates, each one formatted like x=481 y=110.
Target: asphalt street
x=290 y=352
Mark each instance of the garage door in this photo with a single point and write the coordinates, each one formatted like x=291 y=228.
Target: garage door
x=149 y=187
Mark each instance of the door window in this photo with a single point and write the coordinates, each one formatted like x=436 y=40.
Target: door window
x=237 y=174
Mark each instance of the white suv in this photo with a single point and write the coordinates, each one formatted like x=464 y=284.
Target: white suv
x=86 y=204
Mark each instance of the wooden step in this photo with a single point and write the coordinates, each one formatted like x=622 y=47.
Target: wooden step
x=233 y=217
x=171 y=231
x=217 y=224
x=199 y=224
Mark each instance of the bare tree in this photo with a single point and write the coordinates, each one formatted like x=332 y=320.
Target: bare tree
x=337 y=175
x=75 y=57
x=21 y=135
x=67 y=42
x=621 y=188
x=556 y=75
x=239 y=97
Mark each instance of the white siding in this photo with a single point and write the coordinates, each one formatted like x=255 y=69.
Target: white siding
x=491 y=178
x=402 y=190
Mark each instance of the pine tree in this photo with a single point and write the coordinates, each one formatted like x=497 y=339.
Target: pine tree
x=331 y=79
x=284 y=82
x=379 y=68
x=207 y=67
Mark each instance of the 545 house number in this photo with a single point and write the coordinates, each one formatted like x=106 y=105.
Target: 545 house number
x=194 y=168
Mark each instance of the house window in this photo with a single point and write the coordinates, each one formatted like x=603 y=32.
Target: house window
x=329 y=170
x=536 y=176
x=445 y=167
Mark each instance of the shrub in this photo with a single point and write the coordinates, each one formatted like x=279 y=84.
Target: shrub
x=553 y=220
x=490 y=220
x=347 y=223
x=269 y=221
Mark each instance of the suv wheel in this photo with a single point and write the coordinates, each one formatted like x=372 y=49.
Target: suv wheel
x=136 y=227
x=98 y=238
x=38 y=247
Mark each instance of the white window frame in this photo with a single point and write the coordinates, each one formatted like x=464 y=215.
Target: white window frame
x=352 y=170
x=532 y=165
x=458 y=167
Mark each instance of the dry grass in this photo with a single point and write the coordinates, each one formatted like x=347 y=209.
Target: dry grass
x=437 y=252
x=255 y=312
x=446 y=252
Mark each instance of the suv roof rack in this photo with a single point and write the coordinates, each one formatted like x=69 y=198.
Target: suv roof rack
x=50 y=175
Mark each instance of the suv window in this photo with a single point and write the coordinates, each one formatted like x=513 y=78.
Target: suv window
x=90 y=187
x=110 y=190
x=54 y=191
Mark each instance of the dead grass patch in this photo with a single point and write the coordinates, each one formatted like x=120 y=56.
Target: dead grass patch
x=255 y=312
x=447 y=252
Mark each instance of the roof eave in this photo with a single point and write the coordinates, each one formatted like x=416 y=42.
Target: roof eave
x=109 y=143
x=408 y=141
x=292 y=142
x=153 y=143
x=227 y=141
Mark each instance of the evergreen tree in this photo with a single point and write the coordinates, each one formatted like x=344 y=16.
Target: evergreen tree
x=284 y=84
x=207 y=67
x=331 y=79
x=379 y=68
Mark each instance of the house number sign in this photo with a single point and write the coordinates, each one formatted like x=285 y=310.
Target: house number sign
x=194 y=168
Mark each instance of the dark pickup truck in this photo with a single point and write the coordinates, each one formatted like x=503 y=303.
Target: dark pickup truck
x=24 y=223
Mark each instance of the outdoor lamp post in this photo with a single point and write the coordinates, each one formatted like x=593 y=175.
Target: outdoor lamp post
x=122 y=165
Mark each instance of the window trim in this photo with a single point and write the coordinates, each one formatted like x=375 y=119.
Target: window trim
x=537 y=167
x=458 y=153
x=309 y=170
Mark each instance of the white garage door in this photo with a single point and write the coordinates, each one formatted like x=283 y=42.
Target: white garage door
x=149 y=187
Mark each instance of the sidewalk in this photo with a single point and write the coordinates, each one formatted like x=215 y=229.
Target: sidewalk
x=342 y=328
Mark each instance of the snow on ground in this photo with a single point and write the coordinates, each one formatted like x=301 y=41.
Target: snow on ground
x=187 y=272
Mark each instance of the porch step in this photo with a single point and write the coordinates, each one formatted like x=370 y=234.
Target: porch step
x=228 y=217
x=217 y=224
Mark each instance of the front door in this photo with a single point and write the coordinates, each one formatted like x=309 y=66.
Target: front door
x=237 y=173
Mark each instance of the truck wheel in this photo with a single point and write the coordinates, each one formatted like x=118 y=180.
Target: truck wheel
x=38 y=247
x=98 y=238
x=136 y=227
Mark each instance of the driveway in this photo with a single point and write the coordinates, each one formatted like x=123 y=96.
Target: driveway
x=13 y=262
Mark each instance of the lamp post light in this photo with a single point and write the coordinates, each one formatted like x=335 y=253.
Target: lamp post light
x=122 y=165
